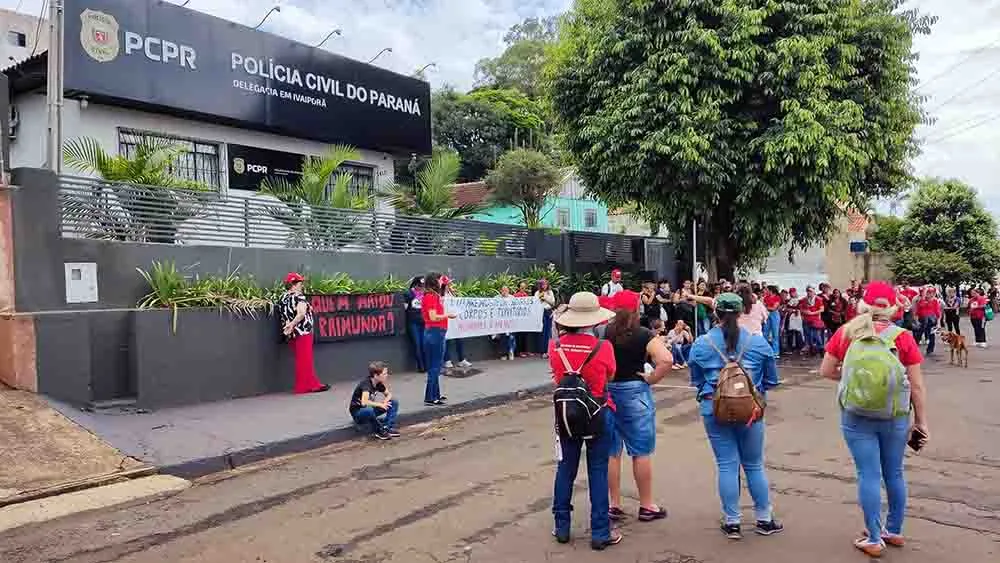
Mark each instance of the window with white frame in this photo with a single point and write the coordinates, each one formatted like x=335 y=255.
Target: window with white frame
x=199 y=163
x=590 y=219
x=562 y=218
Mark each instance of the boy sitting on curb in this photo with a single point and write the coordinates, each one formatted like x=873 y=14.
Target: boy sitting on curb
x=380 y=414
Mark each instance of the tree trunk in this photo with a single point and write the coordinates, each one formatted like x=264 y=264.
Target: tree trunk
x=721 y=257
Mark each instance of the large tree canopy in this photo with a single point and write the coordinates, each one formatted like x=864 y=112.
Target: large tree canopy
x=946 y=217
x=763 y=119
x=520 y=65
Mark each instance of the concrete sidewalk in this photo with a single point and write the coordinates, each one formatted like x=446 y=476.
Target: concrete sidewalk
x=198 y=440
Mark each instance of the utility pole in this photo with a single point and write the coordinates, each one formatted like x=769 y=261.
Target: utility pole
x=54 y=86
x=694 y=268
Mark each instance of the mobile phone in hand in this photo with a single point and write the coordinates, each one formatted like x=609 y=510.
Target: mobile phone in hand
x=917 y=440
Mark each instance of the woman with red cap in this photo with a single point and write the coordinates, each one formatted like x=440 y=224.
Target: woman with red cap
x=297 y=315
x=632 y=394
x=878 y=366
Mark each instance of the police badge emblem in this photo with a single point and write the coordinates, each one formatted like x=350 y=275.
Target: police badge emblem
x=239 y=165
x=99 y=35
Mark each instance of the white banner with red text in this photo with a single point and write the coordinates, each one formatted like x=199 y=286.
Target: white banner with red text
x=493 y=315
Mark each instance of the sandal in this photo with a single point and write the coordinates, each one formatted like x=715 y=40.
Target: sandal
x=868 y=548
x=894 y=540
x=616 y=514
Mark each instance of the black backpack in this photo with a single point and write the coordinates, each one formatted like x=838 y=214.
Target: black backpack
x=578 y=412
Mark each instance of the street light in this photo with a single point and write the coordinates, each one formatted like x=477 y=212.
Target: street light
x=267 y=15
x=386 y=50
x=331 y=34
x=425 y=67
x=186 y=2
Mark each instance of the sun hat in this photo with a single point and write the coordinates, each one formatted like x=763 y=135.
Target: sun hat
x=584 y=310
x=729 y=303
x=293 y=277
x=880 y=294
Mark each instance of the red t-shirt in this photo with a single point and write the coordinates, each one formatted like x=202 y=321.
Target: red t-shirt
x=815 y=320
x=909 y=292
x=977 y=307
x=906 y=346
x=928 y=308
x=577 y=347
x=772 y=302
x=432 y=302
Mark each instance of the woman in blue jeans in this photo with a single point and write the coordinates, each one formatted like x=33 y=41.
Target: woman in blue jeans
x=577 y=349
x=635 y=410
x=435 y=329
x=878 y=444
x=735 y=446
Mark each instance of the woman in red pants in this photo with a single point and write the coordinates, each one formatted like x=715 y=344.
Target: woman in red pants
x=298 y=327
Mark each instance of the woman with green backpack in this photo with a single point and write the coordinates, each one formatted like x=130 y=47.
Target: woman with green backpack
x=878 y=366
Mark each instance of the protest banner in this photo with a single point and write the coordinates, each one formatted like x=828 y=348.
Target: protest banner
x=346 y=317
x=493 y=315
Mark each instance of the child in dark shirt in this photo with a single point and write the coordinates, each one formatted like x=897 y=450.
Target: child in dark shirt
x=381 y=415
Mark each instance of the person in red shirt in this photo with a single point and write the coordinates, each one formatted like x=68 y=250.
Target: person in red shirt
x=772 y=328
x=977 y=314
x=435 y=329
x=812 y=322
x=929 y=311
x=907 y=291
x=569 y=351
x=878 y=445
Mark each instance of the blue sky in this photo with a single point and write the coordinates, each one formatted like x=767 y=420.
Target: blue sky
x=457 y=33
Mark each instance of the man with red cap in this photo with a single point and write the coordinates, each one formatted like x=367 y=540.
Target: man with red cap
x=297 y=326
x=614 y=286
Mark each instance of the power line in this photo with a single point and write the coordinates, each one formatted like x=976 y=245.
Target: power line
x=38 y=28
x=975 y=125
x=956 y=65
x=956 y=95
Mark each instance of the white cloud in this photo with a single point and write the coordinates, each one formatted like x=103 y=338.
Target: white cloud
x=454 y=34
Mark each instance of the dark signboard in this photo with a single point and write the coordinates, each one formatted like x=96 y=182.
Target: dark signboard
x=249 y=166
x=156 y=54
x=345 y=317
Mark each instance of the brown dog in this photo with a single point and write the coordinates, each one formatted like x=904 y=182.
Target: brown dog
x=957 y=344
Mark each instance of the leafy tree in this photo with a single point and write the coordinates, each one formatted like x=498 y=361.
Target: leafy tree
x=885 y=238
x=761 y=119
x=516 y=108
x=472 y=128
x=432 y=194
x=140 y=199
x=520 y=65
x=947 y=216
x=312 y=208
x=525 y=179
x=931 y=266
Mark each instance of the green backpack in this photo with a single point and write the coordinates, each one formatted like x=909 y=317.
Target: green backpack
x=873 y=382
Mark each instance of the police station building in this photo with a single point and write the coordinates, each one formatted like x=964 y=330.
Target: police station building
x=245 y=104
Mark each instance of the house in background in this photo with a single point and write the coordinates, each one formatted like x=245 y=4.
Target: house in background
x=570 y=210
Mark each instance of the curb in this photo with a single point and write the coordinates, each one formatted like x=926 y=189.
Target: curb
x=226 y=461
x=97 y=498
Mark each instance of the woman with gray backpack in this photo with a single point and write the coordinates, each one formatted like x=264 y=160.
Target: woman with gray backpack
x=732 y=371
x=878 y=366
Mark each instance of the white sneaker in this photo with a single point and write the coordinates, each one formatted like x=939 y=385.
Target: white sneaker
x=449 y=365
x=465 y=364
x=509 y=356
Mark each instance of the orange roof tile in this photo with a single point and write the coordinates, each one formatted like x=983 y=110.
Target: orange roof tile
x=471 y=193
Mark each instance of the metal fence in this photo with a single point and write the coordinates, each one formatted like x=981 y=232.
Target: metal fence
x=149 y=214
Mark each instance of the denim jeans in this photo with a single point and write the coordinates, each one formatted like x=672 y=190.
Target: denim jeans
x=546 y=334
x=772 y=330
x=417 y=337
x=434 y=346
x=597 y=481
x=511 y=344
x=979 y=328
x=635 y=418
x=795 y=341
x=458 y=348
x=927 y=325
x=877 y=447
x=680 y=353
x=371 y=415
x=735 y=446
x=815 y=337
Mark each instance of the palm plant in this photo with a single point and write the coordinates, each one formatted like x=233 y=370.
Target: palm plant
x=432 y=194
x=138 y=198
x=312 y=208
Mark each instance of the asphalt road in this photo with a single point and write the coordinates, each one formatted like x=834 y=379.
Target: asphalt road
x=477 y=489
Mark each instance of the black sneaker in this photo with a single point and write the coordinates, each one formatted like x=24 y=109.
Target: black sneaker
x=732 y=531
x=561 y=537
x=442 y=399
x=769 y=528
x=381 y=435
x=393 y=433
x=602 y=545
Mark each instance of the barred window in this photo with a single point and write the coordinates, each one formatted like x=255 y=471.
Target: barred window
x=200 y=163
x=362 y=178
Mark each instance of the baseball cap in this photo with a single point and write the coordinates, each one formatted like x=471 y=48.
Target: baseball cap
x=880 y=294
x=293 y=277
x=445 y=280
x=729 y=303
x=616 y=273
x=627 y=299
